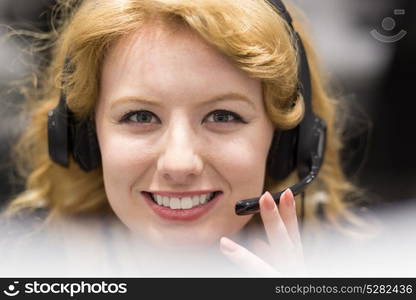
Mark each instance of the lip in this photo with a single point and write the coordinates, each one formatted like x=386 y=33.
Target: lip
x=181 y=214
x=182 y=194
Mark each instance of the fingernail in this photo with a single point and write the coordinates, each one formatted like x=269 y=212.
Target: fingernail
x=269 y=202
x=291 y=199
x=228 y=245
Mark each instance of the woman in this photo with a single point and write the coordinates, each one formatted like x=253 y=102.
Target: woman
x=184 y=98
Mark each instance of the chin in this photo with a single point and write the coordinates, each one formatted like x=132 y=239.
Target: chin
x=181 y=241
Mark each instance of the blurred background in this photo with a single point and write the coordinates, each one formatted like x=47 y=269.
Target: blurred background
x=366 y=46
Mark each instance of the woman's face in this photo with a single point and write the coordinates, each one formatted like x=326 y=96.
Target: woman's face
x=178 y=124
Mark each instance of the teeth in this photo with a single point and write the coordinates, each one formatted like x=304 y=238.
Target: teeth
x=166 y=201
x=175 y=203
x=186 y=203
x=195 y=200
x=159 y=199
x=202 y=199
x=182 y=203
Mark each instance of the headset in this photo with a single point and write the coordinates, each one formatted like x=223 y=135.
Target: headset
x=301 y=148
x=68 y=136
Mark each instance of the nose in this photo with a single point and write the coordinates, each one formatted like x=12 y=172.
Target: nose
x=179 y=162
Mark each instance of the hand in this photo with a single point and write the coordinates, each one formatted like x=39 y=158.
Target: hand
x=283 y=254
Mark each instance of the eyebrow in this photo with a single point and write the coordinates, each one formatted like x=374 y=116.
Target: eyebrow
x=227 y=96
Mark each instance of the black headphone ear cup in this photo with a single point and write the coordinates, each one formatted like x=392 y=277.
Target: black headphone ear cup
x=281 y=160
x=95 y=154
x=84 y=145
x=58 y=135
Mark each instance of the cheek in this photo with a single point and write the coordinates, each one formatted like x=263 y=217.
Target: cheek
x=123 y=160
x=243 y=160
x=122 y=154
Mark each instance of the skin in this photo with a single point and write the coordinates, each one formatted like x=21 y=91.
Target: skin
x=182 y=145
x=283 y=253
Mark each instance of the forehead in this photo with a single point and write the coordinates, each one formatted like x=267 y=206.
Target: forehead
x=163 y=58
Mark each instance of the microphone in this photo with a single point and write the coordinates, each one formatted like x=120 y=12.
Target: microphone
x=252 y=206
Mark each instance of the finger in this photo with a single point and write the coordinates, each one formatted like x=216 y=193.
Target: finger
x=273 y=224
x=287 y=211
x=293 y=266
x=245 y=259
x=262 y=249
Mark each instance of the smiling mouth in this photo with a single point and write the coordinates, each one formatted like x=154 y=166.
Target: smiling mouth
x=182 y=203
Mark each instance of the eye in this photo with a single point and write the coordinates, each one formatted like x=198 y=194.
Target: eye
x=140 y=116
x=224 y=116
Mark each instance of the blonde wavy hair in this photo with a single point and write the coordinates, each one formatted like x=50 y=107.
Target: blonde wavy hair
x=250 y=33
